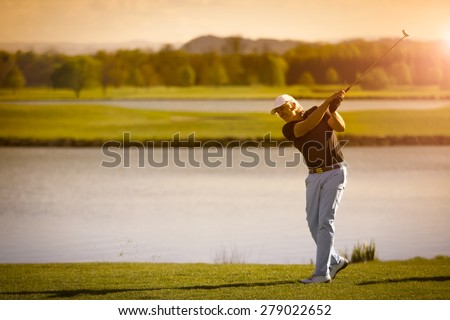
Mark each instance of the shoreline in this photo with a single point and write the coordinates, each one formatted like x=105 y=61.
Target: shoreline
x=353 y=141
x=229 y=92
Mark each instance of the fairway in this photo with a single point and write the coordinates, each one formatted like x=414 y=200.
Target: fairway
x=46 y=124
x=223 y=92
x=415 y=279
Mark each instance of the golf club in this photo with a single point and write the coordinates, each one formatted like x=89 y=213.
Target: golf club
x=336 y=102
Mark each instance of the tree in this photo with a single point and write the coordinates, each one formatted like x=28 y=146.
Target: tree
x=76 y=74
x=303 y=58
x=105 y=64
x=402 y=73
x=376 y=79
x=251 y=65
x=6 y=64
x=37 y=68
x=186 y=75
x=151 y=78
x=332 y=76
x=114 y=70
x=136 y=79
x=434 y=75
x=218 y=74
x=274 y=71
x=14 y=79
x=445 y=83
x=167 y=62
x=306 y=79
x=236 y=73
x=213 y=71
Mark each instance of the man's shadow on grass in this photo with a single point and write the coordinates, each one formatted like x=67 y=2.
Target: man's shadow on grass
x=413 y=279
x=70 y=294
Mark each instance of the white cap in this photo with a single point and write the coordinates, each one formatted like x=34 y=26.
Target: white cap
x=281 y=100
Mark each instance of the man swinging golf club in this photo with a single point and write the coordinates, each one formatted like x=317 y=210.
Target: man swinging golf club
x=313 y=133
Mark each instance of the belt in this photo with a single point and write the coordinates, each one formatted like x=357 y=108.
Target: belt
x=325 y=169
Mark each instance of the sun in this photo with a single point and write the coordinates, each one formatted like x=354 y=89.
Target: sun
x=447 y=40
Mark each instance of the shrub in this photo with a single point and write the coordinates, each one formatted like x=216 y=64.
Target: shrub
x=232 y=256
x=364 y=252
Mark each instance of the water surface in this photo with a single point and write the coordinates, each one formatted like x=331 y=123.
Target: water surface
x=60 y=205
x=255 y=105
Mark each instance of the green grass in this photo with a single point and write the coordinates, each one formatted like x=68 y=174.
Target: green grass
x=398 y=122
x=100 y=122
x=197 y=92
x=226 y=92
x=93 y=122
x=405 y=280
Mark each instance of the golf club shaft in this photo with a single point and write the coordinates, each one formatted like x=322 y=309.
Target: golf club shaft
x=373 y=65
x=336 y=102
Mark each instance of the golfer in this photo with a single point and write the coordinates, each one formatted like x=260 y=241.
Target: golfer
x=313 y=133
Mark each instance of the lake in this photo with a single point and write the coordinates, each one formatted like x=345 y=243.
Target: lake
x=61 y=205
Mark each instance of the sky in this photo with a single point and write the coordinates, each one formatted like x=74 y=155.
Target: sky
x=178 y=21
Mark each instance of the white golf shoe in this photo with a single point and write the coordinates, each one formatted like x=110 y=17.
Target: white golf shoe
x=316 y=279
x=334 y=269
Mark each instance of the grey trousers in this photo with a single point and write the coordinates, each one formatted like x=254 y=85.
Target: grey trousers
x=323 y=194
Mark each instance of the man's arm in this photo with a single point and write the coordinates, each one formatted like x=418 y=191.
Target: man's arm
x=303 y=127
x=336 y=122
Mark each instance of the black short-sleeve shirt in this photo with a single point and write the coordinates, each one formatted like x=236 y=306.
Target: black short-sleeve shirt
x=320 y=146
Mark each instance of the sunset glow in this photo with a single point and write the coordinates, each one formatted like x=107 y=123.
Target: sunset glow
x=176 y=21
x=447 y=40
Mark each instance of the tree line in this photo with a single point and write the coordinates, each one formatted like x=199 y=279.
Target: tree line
x=412 y=63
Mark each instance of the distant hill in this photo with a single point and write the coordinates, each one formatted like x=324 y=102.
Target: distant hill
x=198 y=45
x=77 y=48
x=211 y=43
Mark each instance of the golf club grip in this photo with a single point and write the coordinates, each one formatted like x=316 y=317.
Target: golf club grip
x=335 y=103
